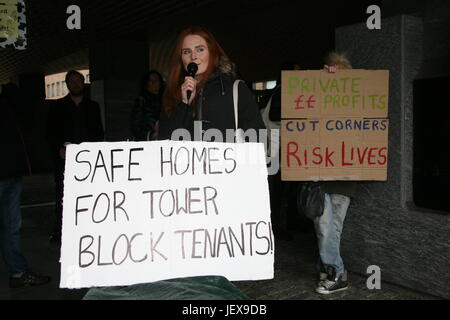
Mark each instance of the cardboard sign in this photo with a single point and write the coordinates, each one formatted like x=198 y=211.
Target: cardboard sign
x=334 y=149
x=137 y=212
x=335 y=126
x=9 y=24
x=346 y=93
x=12 y=24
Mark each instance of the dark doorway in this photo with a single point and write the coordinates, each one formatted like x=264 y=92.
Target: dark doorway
x=431 y=185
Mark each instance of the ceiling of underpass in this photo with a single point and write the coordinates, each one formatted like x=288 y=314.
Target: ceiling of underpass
x=258 y=35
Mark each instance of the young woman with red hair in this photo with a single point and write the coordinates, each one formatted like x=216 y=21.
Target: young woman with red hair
x=211 y=99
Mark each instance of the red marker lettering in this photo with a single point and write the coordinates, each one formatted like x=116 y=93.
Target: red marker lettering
x=343 y=156
x=328 y=158
x=361 y=156
x=371 y=156
x=318 y=155
x=383 y=156
x=292 y=153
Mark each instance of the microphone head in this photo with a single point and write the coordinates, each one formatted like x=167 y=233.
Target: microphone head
x=192 y=69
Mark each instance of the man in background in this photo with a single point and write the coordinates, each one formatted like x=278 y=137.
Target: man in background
x=72 y=119
x=14 y=164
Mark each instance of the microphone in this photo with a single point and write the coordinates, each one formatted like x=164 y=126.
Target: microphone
x=191 y=71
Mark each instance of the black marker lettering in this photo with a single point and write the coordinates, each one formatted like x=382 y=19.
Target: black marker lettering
x=153 y=246
x=151 y=192
x=98 y=254
x=119 y=206
x=206 y=199
x=187 y=161
x=212 y=160
x=182 y=240
x=192 y=200
x=95 y=206
x=112 y=163
x=233 y=236
x=173 y=204
x=200 y=159
x=80 y=210
x=131 y=245
x=85 y=250
x=170 y=162
x=258 y=237
x=102 y=165
x=250 y=224
x=126 y=251
x=230 y=159
x=133 y=164
x=90 y=166
x=194 y=243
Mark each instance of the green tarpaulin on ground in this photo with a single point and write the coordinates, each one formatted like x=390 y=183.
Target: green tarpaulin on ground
x=193 y=288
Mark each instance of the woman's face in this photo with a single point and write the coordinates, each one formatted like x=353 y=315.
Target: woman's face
x=195 y=49
x=153 y=83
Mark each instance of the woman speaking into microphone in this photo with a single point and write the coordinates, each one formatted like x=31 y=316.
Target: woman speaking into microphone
x=200 y=88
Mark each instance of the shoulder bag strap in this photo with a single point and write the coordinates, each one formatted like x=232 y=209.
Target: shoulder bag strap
x=239 y=134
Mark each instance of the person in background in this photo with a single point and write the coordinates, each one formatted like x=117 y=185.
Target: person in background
x=14 y=163
x=282 y=193
x=211 y=99
x=328 y=227
x=72 y=119
x=147 y=108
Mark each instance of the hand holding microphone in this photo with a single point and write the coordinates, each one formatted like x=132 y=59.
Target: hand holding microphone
x=188 y=87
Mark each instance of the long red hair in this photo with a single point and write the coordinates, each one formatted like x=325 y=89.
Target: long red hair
x=172 y=94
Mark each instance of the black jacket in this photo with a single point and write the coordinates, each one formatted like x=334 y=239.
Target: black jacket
x=145 y=114
x=14 y=161
x=214 y=105
x=68 y=123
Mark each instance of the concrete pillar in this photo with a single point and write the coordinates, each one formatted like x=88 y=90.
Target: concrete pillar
x=116 y=67
x=383 y=226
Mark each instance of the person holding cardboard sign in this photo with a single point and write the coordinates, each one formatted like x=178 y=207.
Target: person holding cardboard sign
x=204 y=96
x=328 y=226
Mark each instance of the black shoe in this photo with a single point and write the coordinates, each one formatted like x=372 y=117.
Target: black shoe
x=333 y=284
x=28 y=279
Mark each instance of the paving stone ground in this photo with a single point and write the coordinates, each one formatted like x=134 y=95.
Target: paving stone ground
x=294 y=279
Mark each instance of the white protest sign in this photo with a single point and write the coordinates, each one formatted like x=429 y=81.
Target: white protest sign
x=137 y=212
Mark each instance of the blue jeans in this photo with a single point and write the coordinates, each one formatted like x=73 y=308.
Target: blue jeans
x=10 y=223
x=329 y=229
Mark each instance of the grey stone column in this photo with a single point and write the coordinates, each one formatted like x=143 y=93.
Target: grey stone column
x=116 y=67
x=383 y=227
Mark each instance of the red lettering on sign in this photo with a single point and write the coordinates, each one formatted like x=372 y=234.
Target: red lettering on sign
x=383 y=156
x=310 y=101
x=292 y=153
x=343 y=156
x=361 y=156
x=328 y=157
x=371 y=156
x=318 y=155
x=298 y=102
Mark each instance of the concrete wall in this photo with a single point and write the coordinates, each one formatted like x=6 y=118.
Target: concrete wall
x=383 y=227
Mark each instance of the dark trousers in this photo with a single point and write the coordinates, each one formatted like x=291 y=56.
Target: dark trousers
x=277 y=189
x=59 y=192
x=10 y=224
